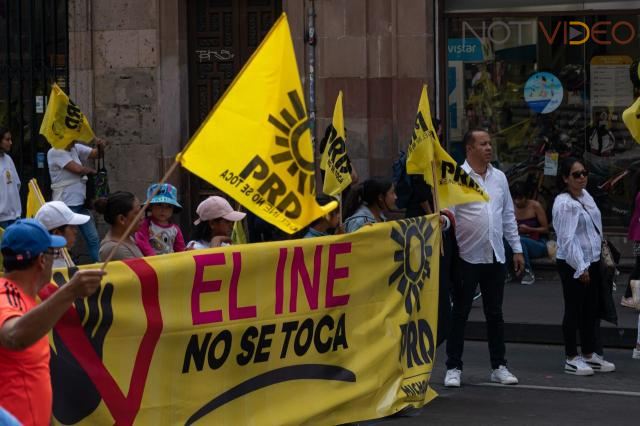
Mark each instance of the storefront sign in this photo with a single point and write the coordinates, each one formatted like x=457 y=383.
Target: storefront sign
x=465 y=50
x=543 y=92
x=571 y=33
x=576 y=33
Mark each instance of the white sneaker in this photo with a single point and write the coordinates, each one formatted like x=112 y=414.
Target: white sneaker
x=452 y=379
x=598 y=363
x=578 y=367
x=528 y=278
x=636 y=353
x=504 y=376
x=628 y=302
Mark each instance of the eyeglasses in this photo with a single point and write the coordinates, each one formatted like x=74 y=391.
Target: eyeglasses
x=583 y=173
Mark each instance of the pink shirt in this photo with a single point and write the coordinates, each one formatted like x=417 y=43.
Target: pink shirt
x=634 y=225
x=153 y=238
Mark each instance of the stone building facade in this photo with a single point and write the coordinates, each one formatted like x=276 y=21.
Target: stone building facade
x=131 y=69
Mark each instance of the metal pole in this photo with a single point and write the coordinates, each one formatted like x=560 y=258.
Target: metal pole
x=311 y=53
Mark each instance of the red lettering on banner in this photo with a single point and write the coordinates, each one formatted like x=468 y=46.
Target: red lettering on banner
x=235 y=311
x=282 y=261
x=198 y=316
x=298 y=269
x=334 y=274
x=123 y=409
x=200 y=286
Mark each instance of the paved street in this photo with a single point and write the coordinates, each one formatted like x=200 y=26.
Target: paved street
x=545 y=395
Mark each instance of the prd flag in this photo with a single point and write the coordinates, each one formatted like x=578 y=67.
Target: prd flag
x=35 y=200
x=63 y=121
x=631 y=118
x=255 y=145
x=453 y=184
x=335 y=161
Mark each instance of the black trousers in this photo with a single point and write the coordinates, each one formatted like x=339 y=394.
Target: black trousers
x=448 y=275
x=491 y=277
x=581 y=304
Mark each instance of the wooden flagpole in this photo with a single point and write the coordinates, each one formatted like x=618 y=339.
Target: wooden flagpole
x=135 y=220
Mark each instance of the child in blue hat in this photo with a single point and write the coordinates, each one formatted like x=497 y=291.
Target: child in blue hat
x=157 y=234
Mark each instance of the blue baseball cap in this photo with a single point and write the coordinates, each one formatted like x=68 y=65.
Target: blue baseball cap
x=167 y=194
x=28 y=238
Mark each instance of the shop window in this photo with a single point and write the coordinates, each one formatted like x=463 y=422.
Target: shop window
x=549 y=87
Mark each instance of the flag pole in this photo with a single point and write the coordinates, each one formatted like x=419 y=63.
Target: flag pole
x=33 y=186
x=436 y=200
x=140 y=213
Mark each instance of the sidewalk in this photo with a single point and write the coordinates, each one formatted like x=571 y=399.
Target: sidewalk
x=533 y=314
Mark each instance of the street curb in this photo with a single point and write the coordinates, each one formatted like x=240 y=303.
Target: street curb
x=624 y=338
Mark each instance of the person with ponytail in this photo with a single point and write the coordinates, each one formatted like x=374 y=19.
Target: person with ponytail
x=119 y=210
x=368 y=203
x=578 y=225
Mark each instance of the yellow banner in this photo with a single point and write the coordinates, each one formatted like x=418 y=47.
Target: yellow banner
x=453 y=184
x=63 y=121
x=256 y=144
x=315 y=331
x=335 y=161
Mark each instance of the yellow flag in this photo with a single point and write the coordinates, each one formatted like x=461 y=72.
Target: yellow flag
x=454 y=186
x=335 y=161
x=631 y=118
x=63 y=121
x=256 y=145
x=35 y=200
x=238 y=234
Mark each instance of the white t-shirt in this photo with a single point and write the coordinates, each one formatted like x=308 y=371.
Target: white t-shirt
x=10 y=207
x=70 y=188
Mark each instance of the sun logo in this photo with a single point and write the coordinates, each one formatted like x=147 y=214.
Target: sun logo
x=414 y=254
x=296 y=138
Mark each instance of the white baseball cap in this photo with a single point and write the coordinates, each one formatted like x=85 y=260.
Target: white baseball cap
x=216 y=207
x=55 y=214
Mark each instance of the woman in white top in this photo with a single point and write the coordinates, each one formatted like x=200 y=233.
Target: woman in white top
x=60 y=220
x=69 y=185
x=10 y=207
x=578 y=225
x=214 y=224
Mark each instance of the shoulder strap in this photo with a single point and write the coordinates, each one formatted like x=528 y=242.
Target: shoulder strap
x=588 y=214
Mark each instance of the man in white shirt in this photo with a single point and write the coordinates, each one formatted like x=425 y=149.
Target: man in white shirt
x=480 y=228
x=10 y=206
x=69 y=185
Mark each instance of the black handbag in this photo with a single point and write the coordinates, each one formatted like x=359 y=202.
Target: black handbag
x=98 y=184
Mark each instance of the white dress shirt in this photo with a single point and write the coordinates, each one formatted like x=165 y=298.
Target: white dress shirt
x=579 y=243
x=480 y=226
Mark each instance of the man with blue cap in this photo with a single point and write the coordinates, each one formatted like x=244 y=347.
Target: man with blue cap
x=28 y=251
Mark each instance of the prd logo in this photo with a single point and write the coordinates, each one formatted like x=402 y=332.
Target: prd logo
x=295 y=131
x=413 y=257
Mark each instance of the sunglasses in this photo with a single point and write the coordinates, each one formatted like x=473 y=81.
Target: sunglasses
x=577 y=175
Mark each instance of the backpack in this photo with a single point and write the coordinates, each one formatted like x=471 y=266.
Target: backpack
x=401 y=180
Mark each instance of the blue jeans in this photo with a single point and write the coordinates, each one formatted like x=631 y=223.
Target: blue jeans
x=531 y=249
x=89 y=233
x=6 y=223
